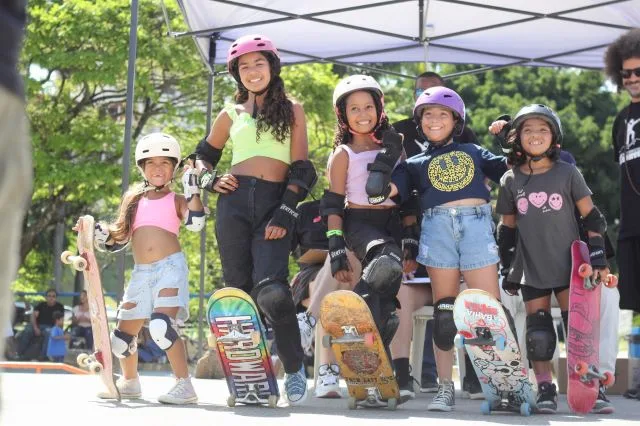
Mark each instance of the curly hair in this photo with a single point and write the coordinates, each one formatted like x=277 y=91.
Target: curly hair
x=277 y=110
x=625 y=47
x=342 y=133
x=518 y=156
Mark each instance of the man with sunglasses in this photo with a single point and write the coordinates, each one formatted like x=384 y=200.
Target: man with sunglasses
x=622 y=66
x=41 y=324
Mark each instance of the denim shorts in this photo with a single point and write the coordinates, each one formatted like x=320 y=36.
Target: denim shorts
x=146 y=282
x=458 y=238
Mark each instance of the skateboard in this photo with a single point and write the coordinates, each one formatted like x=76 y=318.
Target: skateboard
x=237 y=331
x=101 y=360
x=583 y=335
x=357 y=345
x=493 y=349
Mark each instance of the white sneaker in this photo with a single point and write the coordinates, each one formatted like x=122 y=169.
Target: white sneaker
x=181 y=393
x=445 y=399
x=128 y=388
x=327 y=385
x=306 y=323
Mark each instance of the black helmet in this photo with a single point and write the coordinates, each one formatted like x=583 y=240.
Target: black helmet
x=543 y=112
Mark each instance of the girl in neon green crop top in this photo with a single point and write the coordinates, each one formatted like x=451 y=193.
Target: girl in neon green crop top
x=256 y=207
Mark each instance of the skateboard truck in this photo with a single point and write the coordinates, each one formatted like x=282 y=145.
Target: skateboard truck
x=484 y=337
x=236 y=335
x=589 y=372
x=350 y=335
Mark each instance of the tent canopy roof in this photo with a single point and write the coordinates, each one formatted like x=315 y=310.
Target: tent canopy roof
x=494 y=33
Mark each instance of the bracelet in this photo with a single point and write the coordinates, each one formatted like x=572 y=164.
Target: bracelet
x=334 y=233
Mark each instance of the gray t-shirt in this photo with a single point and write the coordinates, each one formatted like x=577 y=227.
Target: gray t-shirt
x=546 y=222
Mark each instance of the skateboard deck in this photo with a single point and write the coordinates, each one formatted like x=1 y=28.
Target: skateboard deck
x=493 y=349
x=583 y=335
x=237 y=331
x=101 y=360
x=358 y=348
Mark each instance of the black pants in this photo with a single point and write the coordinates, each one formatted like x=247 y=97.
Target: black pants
x=259 y=267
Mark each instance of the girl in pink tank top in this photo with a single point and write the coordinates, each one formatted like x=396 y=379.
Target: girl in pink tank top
x=149 y=218
x=372 y=231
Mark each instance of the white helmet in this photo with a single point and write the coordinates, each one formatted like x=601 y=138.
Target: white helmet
x=353 y=83
x=157 y=145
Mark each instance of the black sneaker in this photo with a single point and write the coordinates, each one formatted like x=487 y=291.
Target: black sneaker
x=428 y=385
x=633 y=393
x=403 y=377
x=547 y=402
x=471 y=387
x=603 y=405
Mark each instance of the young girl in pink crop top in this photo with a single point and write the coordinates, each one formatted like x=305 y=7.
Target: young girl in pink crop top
x=372 y=232
x=149 y=217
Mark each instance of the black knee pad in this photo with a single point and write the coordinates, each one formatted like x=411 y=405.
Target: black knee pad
x=541 y=336
x=444 y=328
x=384 y=272
x=275 y=301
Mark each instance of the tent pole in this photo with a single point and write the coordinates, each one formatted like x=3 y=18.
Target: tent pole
x=128 y=124
x=424 y=36
x=205 y=199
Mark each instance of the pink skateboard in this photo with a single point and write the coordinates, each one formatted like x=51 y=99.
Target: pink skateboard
x=583 y=340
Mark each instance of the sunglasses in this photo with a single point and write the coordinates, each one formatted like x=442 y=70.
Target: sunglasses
x=419 y=91
x=627 y=73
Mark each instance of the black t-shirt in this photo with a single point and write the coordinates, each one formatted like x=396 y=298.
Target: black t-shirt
x=626 y=152
x=414 y=144
x=45 y=315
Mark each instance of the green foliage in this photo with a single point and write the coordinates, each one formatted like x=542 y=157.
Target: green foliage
x=75 y=57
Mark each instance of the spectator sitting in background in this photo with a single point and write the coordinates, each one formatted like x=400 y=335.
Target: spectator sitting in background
x=57 y=348
x=148 y=350
x=81 y=321
x=41 y=323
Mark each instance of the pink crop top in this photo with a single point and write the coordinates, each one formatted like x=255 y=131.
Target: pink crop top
x=161 y=213
x=357 y=175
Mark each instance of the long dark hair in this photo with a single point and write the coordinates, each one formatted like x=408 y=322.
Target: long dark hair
x=342 y=133
x=626 y=46
x=277 y=110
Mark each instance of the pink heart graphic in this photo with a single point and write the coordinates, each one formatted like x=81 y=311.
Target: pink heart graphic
x=555 y=201
x=538 y=198
x=523 y=205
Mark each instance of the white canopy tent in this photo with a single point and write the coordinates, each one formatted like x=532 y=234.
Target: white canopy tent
x=492 y=33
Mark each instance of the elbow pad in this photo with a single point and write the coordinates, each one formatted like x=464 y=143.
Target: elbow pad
x=205 y=152
x=595 y=222
x=195 y=220
x=304 y=176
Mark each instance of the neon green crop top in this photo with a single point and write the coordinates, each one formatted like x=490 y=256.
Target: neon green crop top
x=245 y=144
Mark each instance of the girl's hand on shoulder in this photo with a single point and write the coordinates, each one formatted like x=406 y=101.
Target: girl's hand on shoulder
x=497 y=126
x=274 y=232
x=226 y=184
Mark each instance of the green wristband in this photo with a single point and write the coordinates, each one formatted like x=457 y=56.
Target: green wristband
x=334 y=232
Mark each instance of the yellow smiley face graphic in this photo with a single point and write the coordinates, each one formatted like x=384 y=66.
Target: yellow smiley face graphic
x=451 y=171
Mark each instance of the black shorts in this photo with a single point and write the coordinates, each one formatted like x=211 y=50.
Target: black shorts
x=530 y=293
x=365 y=229
x=628 y=259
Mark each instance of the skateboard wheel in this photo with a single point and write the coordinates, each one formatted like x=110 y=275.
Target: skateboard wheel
x=501 y=343
x=326 y=341
x=585 y=270
x=83 y=360
x=525 y=409
x=612 y=281
x=392 y=404
x=609 y=379
x=351 y=403
x=273 y=401
x=231 y=401
x=64 y=257
x=581 y=368
x=95 y=367
x=485 y=407
x=369 y=339
x=458 y=341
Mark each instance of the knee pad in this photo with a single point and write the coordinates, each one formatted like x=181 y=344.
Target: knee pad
x=444 y=328
x=541 y=336
x=275 y=301
x=123 y=344
x=162 y=330
x=384 y=272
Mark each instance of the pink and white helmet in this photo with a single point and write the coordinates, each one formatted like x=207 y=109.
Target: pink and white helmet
x=247 y=44
x=157 y=145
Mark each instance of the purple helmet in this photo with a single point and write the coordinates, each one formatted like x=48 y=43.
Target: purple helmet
x=441 y=96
